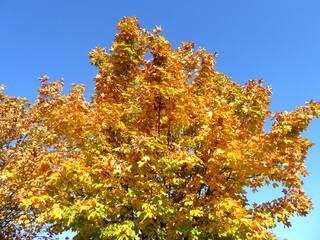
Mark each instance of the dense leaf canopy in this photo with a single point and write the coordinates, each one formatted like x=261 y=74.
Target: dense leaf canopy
x=166 y=149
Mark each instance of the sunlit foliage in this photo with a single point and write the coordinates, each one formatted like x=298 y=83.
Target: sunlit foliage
x=166 y=149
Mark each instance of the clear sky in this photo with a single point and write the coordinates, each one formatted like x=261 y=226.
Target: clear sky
x=277 y=41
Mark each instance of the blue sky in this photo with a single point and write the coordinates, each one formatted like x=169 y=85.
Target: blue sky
x=277 y=41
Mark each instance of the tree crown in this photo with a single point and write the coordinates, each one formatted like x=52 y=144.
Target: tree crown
x=166 y=149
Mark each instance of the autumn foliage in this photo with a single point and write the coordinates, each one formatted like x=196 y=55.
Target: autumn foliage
x=167 y=148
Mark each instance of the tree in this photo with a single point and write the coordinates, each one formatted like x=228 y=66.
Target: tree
x=12 y=112
x=166 y=149
x=13 y=124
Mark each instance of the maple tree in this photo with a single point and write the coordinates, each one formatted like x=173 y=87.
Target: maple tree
x=166 y=149
x=12 y=112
